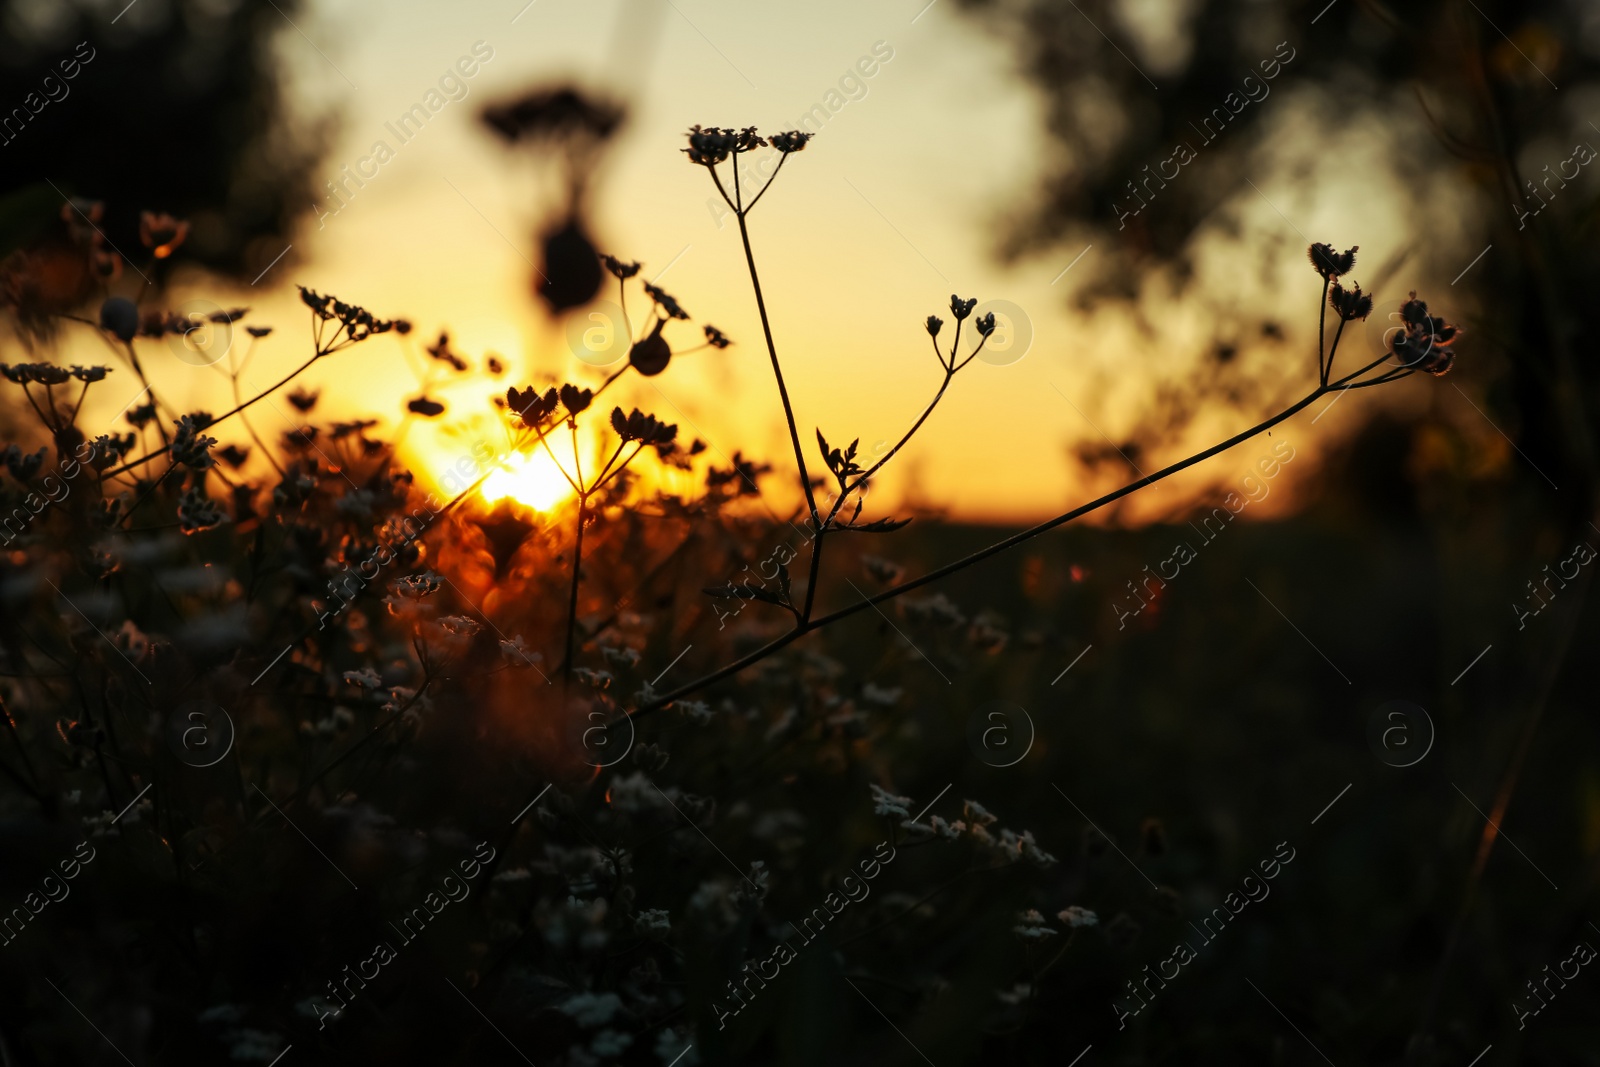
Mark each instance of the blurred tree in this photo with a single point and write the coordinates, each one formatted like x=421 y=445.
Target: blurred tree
x=1476 y=104
x=174 y=106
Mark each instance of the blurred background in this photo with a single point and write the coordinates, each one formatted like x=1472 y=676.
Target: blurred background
x=1005 y=150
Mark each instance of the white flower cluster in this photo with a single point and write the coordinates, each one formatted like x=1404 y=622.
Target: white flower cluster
x=976 y=827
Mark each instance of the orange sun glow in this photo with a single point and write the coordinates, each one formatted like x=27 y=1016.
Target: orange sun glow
x=531 y=480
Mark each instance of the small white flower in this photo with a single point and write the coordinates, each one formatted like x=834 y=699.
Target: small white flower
x=885 y=698
x=459 y=625
x=597 y=679
x=1076 y=917
x=366 y=677
x=620 y=655
x=886 y=803
x=1031 y=926
x=977 y=813
x=652 y=922
x=591 y=1009
x=698 y=710
x=515 y=652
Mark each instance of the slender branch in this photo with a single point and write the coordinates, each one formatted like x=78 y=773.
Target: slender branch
x=251 y=430
x=164 y=449
x=784 y=158
x=572 y=603
x=1323 y=367
x=804 y=627
x=772 y=351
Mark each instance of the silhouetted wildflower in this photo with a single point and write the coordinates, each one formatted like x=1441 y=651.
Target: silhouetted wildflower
x=571 y=275
x=162 y=234
x=1349 y=303
x=42 y=373
x=710 y=145
x=619 y=268
x=715 y=337
x=303 y=401
x=358 y=320
x=668 y=305
x=189 y=446
x=651 y=355
x=1423 y=341
x=233 y=455
x=1330 y=264
x=549 y=113
x=531 y=406
x=791 y=141
x=934 y=324
x=637 y=426
x=425 y=407
x=121 y=316
x=961 y=308
x=575 y=400
x=442 y=352
x=197 y=512
x=23 y=465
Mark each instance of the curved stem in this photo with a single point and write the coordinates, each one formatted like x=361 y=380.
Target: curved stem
x=251 y=430
x=853 y=486
x=572 y=603
x=1334 y=350
x=806 y=626
x=772 y=351
x=1322 y=322
x=751 y=206
x=165 y=448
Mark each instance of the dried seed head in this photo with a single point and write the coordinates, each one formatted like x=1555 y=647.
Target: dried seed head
x=1330 y=264
x=1349 y=303
x=1424 y=342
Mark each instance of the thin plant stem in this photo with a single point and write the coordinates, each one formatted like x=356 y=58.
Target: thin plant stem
x=805 y=626
x=167 y=447
x=772 y=351
x=572 y=602
x=233 y=378
x=1323 y=366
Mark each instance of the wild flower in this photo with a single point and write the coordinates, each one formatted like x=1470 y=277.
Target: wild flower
x=886 y=803
x=1032 y=927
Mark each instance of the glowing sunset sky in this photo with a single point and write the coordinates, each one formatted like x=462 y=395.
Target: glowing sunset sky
x=895 y=205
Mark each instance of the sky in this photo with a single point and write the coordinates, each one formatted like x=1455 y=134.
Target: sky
x=897 y=204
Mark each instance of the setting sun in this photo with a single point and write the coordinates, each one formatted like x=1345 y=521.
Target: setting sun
x=534 y=481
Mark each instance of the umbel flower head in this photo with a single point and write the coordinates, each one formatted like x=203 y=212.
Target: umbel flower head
x=1423 y=341
x=646 y=429
x=791 y=141
x=531 y=406
x=360 y=322
x=1330 y=264
x=710 y=145
x=548 y=114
